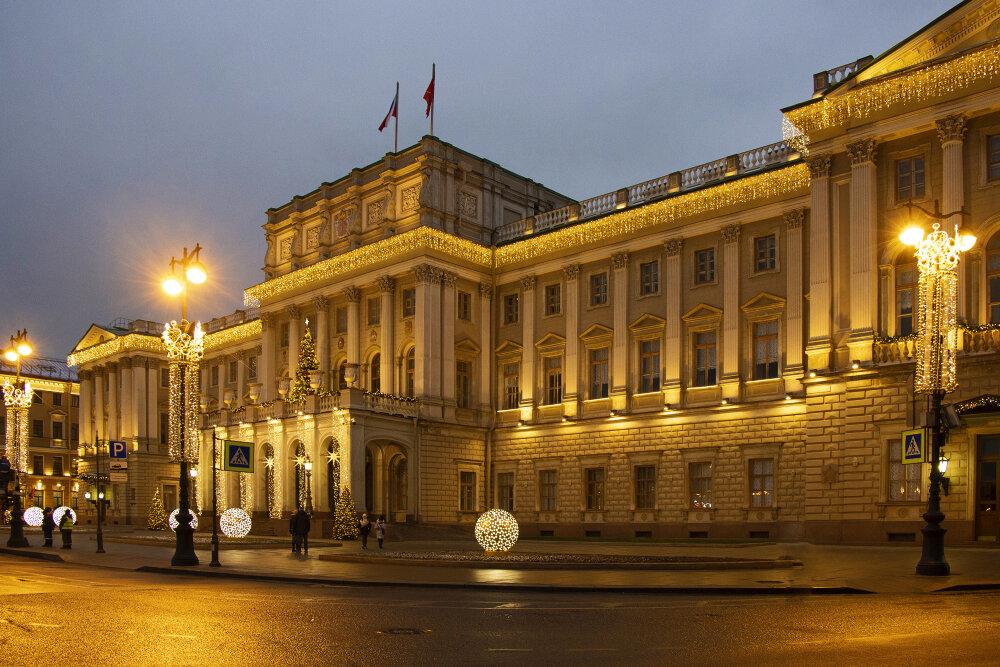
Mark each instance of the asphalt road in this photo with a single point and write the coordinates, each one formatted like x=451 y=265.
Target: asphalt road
x=55 y=613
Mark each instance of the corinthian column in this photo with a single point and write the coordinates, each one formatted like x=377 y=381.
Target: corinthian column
x=322 y=305
x=951 y=130
x=731 y=312
x=673 y=349
x=864 y=242
x=819 y=345
x=619 y=346
x=571 y=365
x=265 y=367
x=793 y=311
x=294 y=336
x=387 y=287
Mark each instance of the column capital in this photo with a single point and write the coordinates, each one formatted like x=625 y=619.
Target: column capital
x=111 y=367
x=619 y=261
x=386 y=284
x=426 y=274
x=450 y=279
x=794 y=218
x=951 y=128
x=321 y=302
x=819 y=166
x=528 y=283
x=353 y=294
x=85 y=376
x=267 y=320
x=862 y=151
x=674 y=246
x=126 y=363
x=486 y=290
x=571 y=271
x=293 y=311
x=731 y=233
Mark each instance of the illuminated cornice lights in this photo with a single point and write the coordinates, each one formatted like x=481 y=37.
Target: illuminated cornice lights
x=496 y=530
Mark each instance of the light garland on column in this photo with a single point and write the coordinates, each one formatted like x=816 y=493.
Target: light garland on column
x=221 y=497
x=184 y=352
x=246 y=479
x=17 y=400
x=275 y=464
x=196 y=507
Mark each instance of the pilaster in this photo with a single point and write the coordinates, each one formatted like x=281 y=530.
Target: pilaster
x=672 y=348
x=793 y=305
x=527 y=315
x=322 y=305
x=730 y=372
x=265 y=366
x=112 y=404
x=449 y=280
x=571 y=365
x=820 y=307
x=294 y=336
x=387 y=321
x=486 y=341
x=619 y=345
x=353 y=295
x=864 y=244
x=951 y=130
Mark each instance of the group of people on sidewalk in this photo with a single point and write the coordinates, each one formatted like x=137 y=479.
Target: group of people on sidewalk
x=300 y=524
x=65 y=528
x=365 y=528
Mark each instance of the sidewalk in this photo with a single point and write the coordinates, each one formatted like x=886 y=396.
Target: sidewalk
x=834 y=569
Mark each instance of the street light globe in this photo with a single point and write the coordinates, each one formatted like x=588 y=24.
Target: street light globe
x=10 y=354
x=966 y=241
x=196 y=273
x=309 y=465
x=23 y=348
x=912 y=236
x=172 y=286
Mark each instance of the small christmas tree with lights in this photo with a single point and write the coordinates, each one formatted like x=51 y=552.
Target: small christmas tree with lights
x=308 y=364
x=345 y=522
x=157 y=515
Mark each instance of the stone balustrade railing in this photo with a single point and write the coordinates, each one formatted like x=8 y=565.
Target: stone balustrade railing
x=312 y=405
x=901 y=351
x=391 y=405
x=823 y=81
x=647 y=191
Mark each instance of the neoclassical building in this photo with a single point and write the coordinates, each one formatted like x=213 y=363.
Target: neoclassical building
x=724 y=351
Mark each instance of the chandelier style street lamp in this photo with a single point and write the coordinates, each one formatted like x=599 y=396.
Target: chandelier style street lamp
x=17 y=398
x=185 y=346
x=937 y=349
x=309 y=498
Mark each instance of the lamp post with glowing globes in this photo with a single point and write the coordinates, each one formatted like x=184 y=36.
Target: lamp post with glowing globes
x=185 y=345
x=937 y=256
x=17 y=399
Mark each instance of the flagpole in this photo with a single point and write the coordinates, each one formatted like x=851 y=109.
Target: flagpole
x=395 y=144
x=432 y=101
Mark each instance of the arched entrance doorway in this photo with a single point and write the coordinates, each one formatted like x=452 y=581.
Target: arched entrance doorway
x=398 y=488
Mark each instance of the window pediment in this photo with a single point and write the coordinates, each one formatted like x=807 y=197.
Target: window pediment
x=647 y=323
x=702 y=313
x=467 y=346
x=763 y=302
x=508 y=349
x=596 y=332
x=550 y=343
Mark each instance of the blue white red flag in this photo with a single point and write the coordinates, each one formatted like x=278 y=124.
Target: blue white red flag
x=393 y=112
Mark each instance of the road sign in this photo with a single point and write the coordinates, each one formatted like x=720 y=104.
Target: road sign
x=915 y=445
x=118 y=477
x=237 y=456
x=118 y=453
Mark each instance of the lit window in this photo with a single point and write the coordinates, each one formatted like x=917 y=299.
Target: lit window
x=704 y=266
x=645 y=487
x=599 y=373
x=993 y=277
x=511 y=392
x=649 y=366
x=553 y=302
x=595 y=489
x=766 y=255
x=765 y=350
x=467 y=491
x=993 y=157
x=553 y=380
x=762 y=483
x=906 y=297
x=375 y=374
x=510 y=309
x=700 y=485
x=409 y=302
x=463 y=383
x=598 y=289
x=904 y=480
x=649 y=278
x=411 y=365
x=910 y=178
x=465 y=306
x=547 y=490
x=505 y=491
x=704 y=358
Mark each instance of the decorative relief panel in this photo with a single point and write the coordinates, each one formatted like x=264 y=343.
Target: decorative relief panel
x=312 y=238
x=468 y=205
x=411 y=198
x=376 y=212
x=342 y=220
x=285 y=250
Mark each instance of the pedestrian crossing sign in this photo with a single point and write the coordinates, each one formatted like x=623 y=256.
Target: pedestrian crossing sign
x=237 y=456
x=915 y=446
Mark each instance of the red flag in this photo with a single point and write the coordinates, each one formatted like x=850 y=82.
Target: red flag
x=429 y=96
x=393 y=112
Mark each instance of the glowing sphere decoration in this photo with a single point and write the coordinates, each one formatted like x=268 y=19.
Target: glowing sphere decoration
x=496 y=530
x=173 y=522
x=57 y=515
x=234 y=522
x=33 y=516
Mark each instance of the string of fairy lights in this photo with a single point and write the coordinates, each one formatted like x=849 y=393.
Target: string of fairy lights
x=17 y=400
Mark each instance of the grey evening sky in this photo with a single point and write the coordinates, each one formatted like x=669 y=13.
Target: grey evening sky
x=131 y=129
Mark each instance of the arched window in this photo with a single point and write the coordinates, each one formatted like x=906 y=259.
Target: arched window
x=993 y=279
x=375 y=374
x=410 y=367
x=906 y=298
x=333 y=475
x=342 y=376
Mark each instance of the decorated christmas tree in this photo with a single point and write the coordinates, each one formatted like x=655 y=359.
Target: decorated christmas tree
x=157 y=515
x=307 y=365
x=345 y=522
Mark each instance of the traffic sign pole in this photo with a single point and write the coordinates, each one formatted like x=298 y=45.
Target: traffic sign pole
x=215 y=509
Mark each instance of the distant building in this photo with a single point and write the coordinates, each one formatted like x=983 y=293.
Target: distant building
x=723 y=351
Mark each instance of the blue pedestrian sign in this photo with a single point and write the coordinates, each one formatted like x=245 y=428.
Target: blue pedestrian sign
x=237 y=456
x=118 y=453
x=915 y=446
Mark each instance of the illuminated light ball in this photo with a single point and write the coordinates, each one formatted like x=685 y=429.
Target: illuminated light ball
x=57 y=515
x=173 y=522
x=33 y=516
x=496 y=530
x=234 y=522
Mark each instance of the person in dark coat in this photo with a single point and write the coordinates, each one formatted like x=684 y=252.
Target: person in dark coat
x=364 y=528
x=48 y=525
x=5 y=474
x=299 y=526
x=66 y=528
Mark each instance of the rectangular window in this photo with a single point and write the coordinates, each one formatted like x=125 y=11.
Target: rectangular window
x=511 y=389
x=74 y=432
x=553 y=380
x=164 y=427
x=165 y=377
x=285 y=334
x=766 y=252
x=341 y=320
x=649 y=278
x=595 y=489
x=231 y=372
x=39 y=498
x=906 y=298
x=598 y=289
x=57 y=498
x=645 y=487
x=762 y=483
x=553 y=300
x=904 y=480
x=57 y=465
x=465 y=306
x=547 y=490
x=993 y=157
x=409 y=302
x=993 y=278
x=74 y=401
x=467 y=491
x=910 y=178
x=505 y=491
x=36 y=428
x=374 y=310
x=765 y=350
x=599 y=373
x=510 y=309
x=56 y=398
x=649 y=366
x=36 y=397
x=704 y=358
x=57 y=430
x=704 y=266
x=214 y=375
x=252 y=368
x=463 y=385
x=700 y=485
x=37 y=465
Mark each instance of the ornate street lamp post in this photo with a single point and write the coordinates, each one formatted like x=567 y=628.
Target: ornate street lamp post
x=937 y=348
x=185 y=345
x=309 y=498
x=17 y=399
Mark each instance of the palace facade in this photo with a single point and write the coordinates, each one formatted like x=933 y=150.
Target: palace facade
x=724 y=351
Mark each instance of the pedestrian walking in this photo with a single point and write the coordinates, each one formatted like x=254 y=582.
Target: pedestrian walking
x=364 y=528
x=66 y=528
x=380 y=530
x=48 y=525
x=299 y=527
